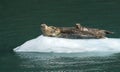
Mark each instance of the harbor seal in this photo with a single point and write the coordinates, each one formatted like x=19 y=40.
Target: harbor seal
x=73 y=32
x=98 y=33
x=61 y=32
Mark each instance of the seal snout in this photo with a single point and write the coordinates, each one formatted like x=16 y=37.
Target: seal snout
x=43 y=25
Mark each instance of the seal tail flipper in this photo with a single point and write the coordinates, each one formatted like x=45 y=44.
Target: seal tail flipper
x=108 y=32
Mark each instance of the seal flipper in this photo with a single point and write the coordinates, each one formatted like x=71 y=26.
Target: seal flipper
x=108 y=32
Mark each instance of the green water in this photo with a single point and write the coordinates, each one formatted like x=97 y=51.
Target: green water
x=20 y=21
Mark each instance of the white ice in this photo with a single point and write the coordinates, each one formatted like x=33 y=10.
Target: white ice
x=62 y=45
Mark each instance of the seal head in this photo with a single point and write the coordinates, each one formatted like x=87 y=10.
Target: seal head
x=50 y=30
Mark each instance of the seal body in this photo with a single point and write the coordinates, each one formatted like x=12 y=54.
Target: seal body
x=98 y=33
x=76 y=32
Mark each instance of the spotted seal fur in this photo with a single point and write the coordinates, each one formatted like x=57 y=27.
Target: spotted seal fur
x=73 y=32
